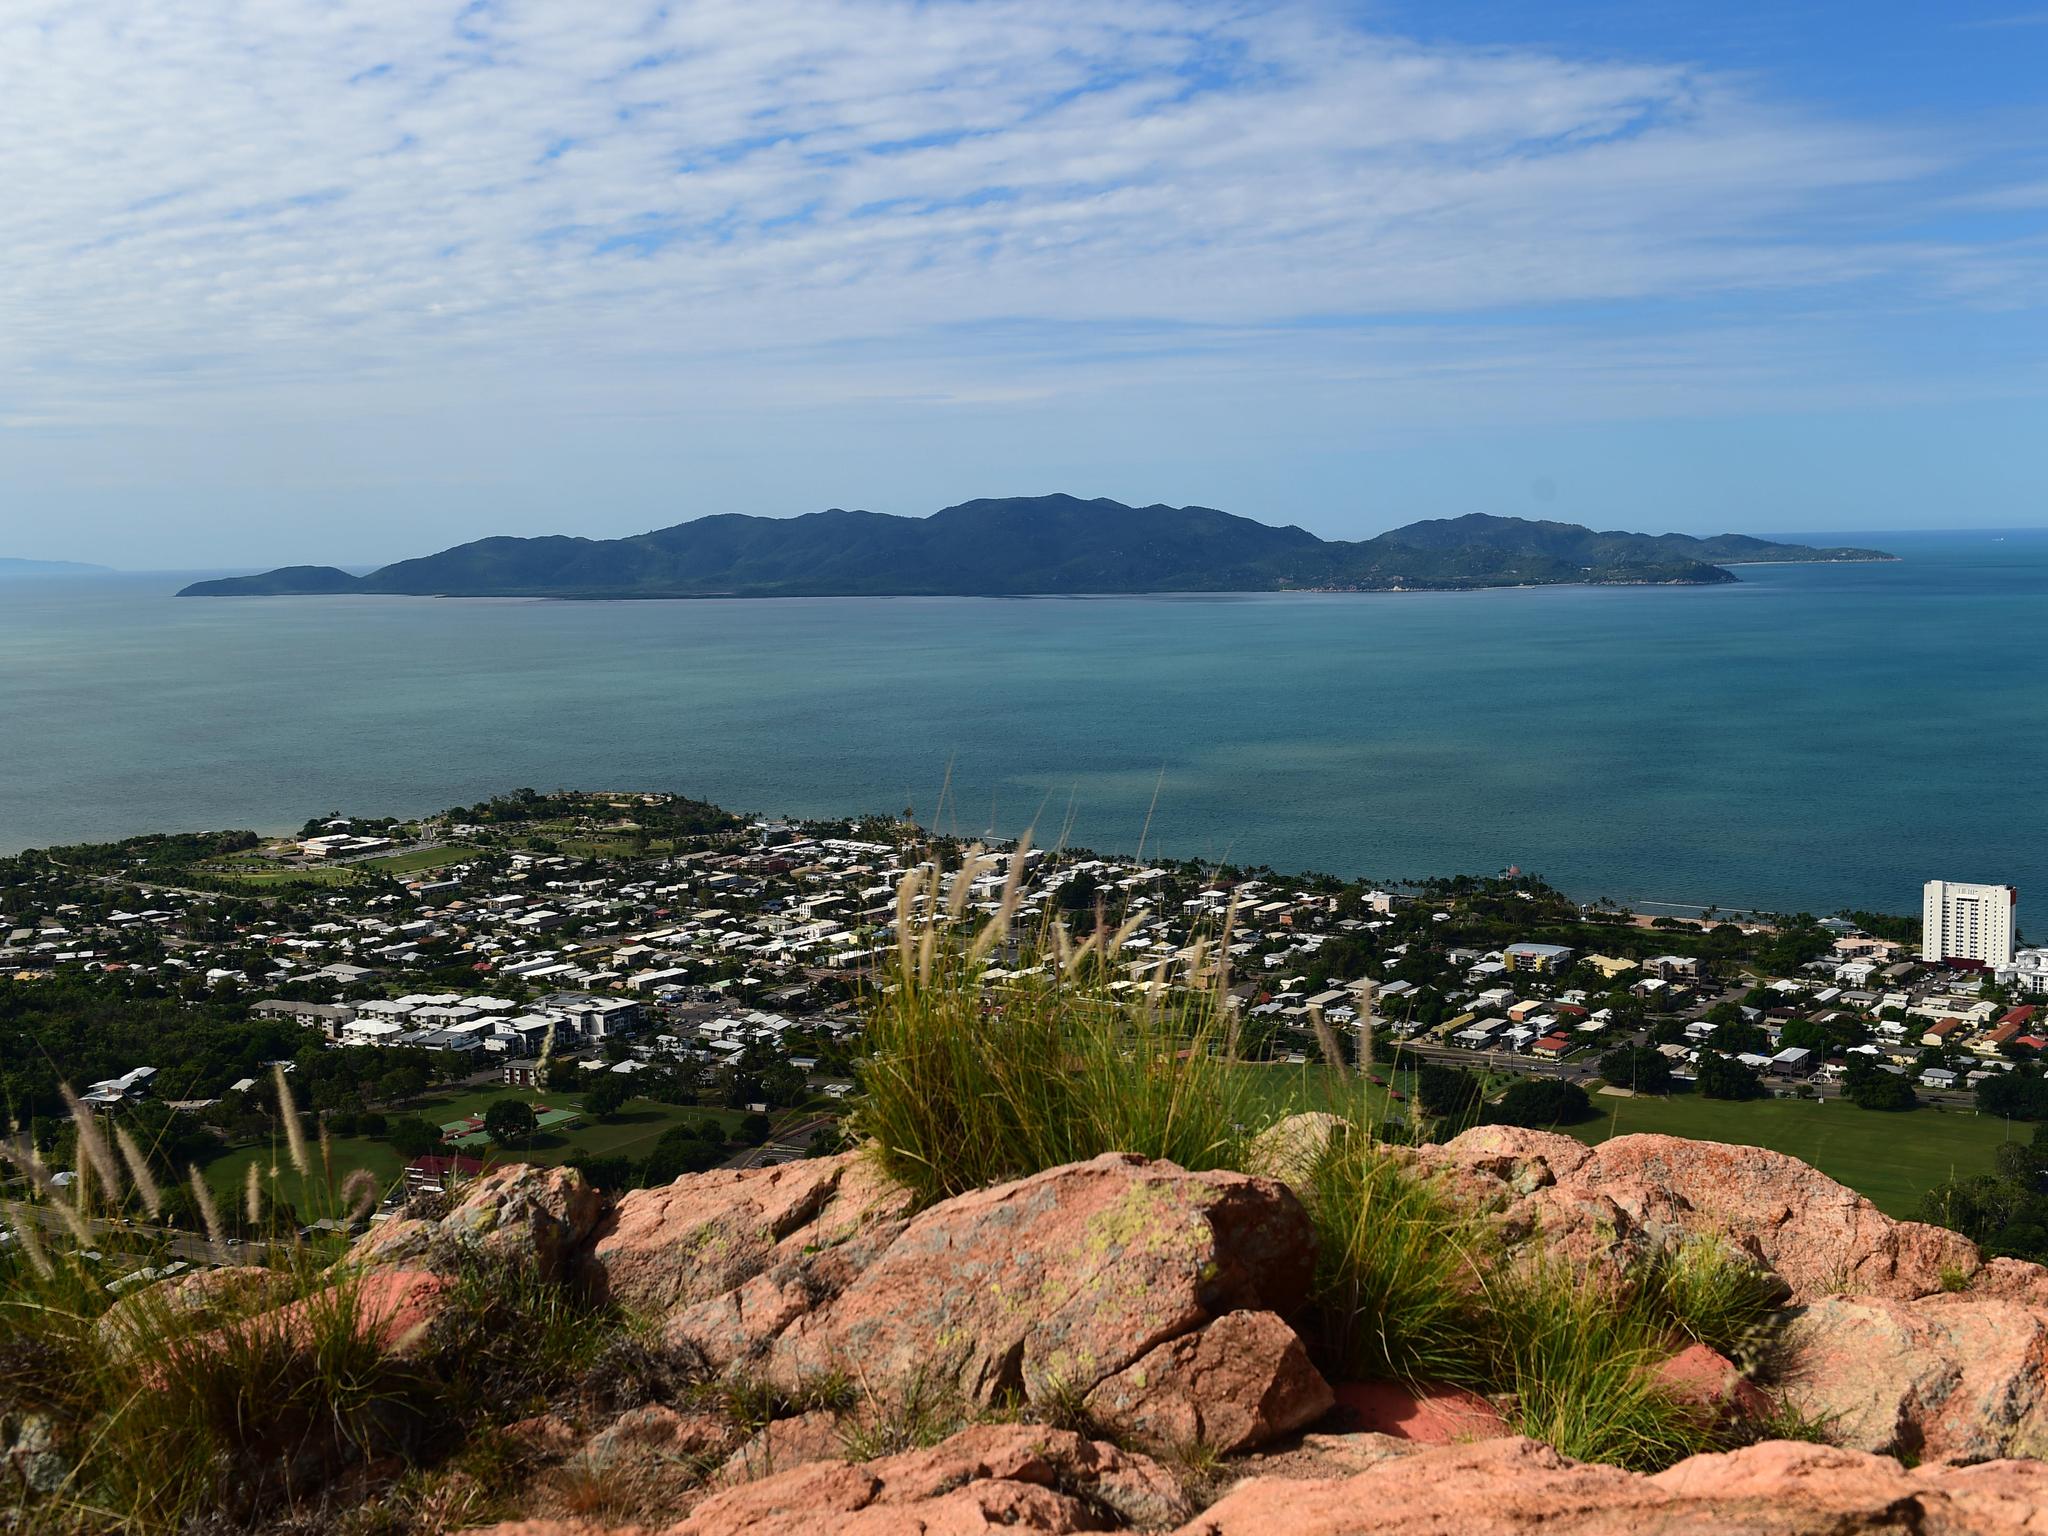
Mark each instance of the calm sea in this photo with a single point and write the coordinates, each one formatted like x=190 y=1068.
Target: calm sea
x=1816 y=737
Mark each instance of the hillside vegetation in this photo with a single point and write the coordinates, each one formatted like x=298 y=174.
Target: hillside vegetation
x=1033 y=544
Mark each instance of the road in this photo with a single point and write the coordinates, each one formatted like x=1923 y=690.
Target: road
x=174 y=1242
x=786 y=1146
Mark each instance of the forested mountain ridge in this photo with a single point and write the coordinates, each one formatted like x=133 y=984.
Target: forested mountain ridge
x=1032 y=545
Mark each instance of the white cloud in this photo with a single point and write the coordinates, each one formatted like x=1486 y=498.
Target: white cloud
x=219 y=191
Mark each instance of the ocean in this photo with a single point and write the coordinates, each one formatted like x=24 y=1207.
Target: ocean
x=1816 y=737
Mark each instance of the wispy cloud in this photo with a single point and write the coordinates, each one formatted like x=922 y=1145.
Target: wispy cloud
x=202 y=188
x=357 y=211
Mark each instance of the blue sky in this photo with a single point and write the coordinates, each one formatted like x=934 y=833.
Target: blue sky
x=351 y=281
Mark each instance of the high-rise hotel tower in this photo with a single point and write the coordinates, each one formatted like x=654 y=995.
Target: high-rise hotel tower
x=1959 y=921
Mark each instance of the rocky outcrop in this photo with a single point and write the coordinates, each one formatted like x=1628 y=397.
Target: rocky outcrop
x=1039 y=1289
x=1515 y=1487
x=1430 y=1415
x=1157 y=1296
x=1159 y=1307
x=1956 y=1377
x=1034 y=1291
x=542 y=1218
x=705 y=1235
x=1240 y=1382
x=1017 y=1478
x=1714 y=1386
x=993 y=1477
x=1290 y=1149
x=1633 y=1196
x=820 y=1435
x=659 y=1430
x=34 y=1456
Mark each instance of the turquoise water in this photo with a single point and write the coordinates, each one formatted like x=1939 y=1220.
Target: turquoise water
x=1814 y=737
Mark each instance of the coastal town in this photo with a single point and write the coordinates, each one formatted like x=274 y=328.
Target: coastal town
x=580 y=954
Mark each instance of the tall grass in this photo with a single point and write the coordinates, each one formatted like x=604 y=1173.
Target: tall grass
x=1397 y=1268
x=217 y=1401
x=1581 y=1362
x=1411 y=1286
x=257 y=1410
x=1714 y=1297
x=969 y=1081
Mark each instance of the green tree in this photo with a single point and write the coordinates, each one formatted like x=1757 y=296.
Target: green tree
x=1449 y=1094
x=1723 y=1077
x=412 y=1137
x=1078 y=893
x=607 y=1096
x=2021 y=1093
x=1540 y=1103
x=1637 y=1067
x=1738 y=1036
x=510 y=1123
x=401 y=1085
x=679 y=1152
x=1882 y=1090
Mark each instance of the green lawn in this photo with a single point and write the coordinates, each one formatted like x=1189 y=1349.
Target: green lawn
x=420 y=858
x=263 y=873
x=632 y=1133
x=1281 y=1089
x=634 y=1130
x=227 y=1172
x=1890 y=1158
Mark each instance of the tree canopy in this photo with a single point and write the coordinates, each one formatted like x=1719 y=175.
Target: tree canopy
x=510 y=1123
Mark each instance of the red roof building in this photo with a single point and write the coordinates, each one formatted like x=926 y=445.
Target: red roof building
x=439 y=1174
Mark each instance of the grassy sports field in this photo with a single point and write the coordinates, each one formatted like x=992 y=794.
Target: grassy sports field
x=1890 y=1158
x=631 y=1133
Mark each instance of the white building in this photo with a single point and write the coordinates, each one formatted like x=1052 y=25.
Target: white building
x=2028 y=971
x=1959 y=921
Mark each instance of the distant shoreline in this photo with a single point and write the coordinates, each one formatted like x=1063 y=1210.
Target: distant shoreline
x=1403 y=590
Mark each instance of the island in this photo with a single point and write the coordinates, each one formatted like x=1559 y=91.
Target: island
x=1037 y=545
x=13 y=566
